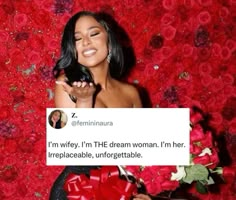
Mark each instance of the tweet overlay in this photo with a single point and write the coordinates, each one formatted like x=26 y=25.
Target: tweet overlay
x=107 y=136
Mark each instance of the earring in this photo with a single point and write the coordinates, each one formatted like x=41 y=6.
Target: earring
x=109 y=56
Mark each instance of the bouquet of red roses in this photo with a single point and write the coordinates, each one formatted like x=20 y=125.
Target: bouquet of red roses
x=203 y=164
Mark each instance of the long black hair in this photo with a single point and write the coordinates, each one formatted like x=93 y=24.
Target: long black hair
x=74 y=71
x=58 y=123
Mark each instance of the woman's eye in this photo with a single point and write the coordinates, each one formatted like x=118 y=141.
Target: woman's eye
x=77 y=39
x=94 y=34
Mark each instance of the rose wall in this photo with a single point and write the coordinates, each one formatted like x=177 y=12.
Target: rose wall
x=185 y=55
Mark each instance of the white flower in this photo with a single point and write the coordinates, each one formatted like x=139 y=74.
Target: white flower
x=205 y=151
x=179 y=174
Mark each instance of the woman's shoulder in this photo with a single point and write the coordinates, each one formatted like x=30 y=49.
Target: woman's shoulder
x=126 y=87
x=131 y=91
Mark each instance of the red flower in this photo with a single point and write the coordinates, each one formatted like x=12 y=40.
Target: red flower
x=229 y=171
x=196 y=133
x=204 y=17
x=168 y=32
x=205 y=2
x=8 y=173
x=207 y=140
x=203 y=160
x=195 y=149
x=205 y=68
x=225 y=53
x=20 y=20
x=195 y=117
x=34 y=57
x=187 y=50
x=169 y=4
x=231 y=44
x=214 y=159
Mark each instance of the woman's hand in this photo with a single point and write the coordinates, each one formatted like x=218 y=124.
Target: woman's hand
x=83 y=91
x=141 y=197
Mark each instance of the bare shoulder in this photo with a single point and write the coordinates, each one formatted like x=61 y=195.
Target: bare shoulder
x=130 y=91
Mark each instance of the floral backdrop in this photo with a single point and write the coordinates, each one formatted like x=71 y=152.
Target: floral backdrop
x=185 y=54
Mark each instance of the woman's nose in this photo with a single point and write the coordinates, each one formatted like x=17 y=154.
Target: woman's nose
x=86 y=41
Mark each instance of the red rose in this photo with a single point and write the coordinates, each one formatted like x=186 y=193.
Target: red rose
x=216 y=85
x=203 y=53
x=195 y=149
x=20 y=20
x=205 y=68
x=187 y=50
x=166 y=52
x=225 y=53
x=34 y=57
x=216 y=50
x=195 y=117
x=17 y=56
x=228 y=90
x=216 y=118
x=204 y=17
x=10 y=146
x=231 y=44
x=8 y=173
x=5 y=112
x=229 y=171
x=205 y=2
x=214 y=159
x=4 y=36
x=167 y=19
x=207 y=140
x=203 y=160
x=168 y=32
x=196 y=134
x=206 y=80
x=227 y=78
x=189 y=3
x=169 y=185
x=224 y=12
x=169 y=4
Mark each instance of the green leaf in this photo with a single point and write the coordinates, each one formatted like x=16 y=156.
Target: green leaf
x=201 y=188
x=195 y=173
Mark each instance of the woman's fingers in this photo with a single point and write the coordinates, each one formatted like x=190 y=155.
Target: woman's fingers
x=66 y=87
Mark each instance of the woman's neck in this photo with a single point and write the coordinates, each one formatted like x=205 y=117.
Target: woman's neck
x=101 y=77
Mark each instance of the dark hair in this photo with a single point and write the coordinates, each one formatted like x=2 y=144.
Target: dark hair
x=68 y=62
x=58 y=123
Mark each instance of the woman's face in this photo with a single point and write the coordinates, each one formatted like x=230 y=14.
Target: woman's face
x=91 y=42
x=56 y=116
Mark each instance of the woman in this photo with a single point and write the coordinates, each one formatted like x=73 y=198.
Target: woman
x=55 y=119
x=89 y=41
